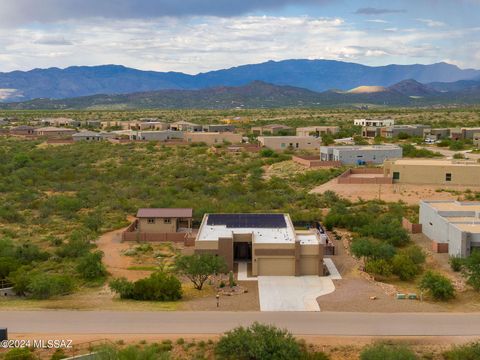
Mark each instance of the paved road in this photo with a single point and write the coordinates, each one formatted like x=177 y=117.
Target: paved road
x=299 y=323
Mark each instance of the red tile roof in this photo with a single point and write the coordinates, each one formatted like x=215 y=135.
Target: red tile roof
x=165 y=213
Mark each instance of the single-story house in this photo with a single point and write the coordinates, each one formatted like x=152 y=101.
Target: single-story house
x=268 y=241
x=290 y=142
x=317 y=131
x=185 y=126
x=358 y=155
x=271 y=129
x=164 y=220
x=162 y=135
x=22 y=130
x=218 y=128
x=213 y=138
x=54 y=132
x=87 y=136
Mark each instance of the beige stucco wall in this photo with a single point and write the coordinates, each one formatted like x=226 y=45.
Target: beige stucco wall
x=434 y=174
x=305 y=131
x=158 y=227
x=213 y=138
x=290 y=142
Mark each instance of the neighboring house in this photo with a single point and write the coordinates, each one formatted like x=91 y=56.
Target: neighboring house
x=185 y=126
x=91 y=123
x=463 y=133
x=290 y=142
x=358 y=155
x=54 y=132
x=22 y=130
x=410 y=130
x=152 y=125
x=213 y=138
x=317 y=131
x=156 y=135
x=453 y=226
x=431 y=171
x=87 y=136
x=374 y=122
x=476 y=139
x=268 y=241
x=164 y=220
x=59 y=122
x=437 y=134
x=218 y=128
x=372 y=127
x=272 y=129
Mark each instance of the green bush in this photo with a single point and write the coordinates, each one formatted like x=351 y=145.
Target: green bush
x=404 y=267
x=7 y=266
x=456 y=263
x=44 y=286
x=437 y=285
x=463 y=352
x=267 y=153
x=387 y=352
x=379 y=267
x=19 y=354
x=199 y=267
x=471 y=269
x=258 y=342
x=90 y=267
x=160 y=286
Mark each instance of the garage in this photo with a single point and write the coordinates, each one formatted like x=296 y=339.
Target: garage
x=276 y=266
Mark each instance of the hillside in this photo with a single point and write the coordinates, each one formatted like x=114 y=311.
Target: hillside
x=315 y=75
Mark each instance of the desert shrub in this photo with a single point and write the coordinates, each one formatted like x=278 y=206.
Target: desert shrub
x=160 y=286
x=77 y=246
x=463 y=352
x=27 y=253
x=379 y=267
x=437 y=285
x=7 y=266
x=45 y=286
x=258 y=342
x=58 y=355
x=199 y=267
x=456 y=263
x=151 y=352
x=387 y=352
x=471 y=269
x=267 y=153
x=19 y=354
x=404 y=267
x=90 y=267
x=371 y=249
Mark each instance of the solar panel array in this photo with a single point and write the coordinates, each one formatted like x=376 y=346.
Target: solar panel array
x=248 y=220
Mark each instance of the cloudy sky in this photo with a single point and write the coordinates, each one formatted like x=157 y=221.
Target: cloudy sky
x=199 y=35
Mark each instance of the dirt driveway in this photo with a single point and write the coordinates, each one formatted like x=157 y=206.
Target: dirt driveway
x=117 y=264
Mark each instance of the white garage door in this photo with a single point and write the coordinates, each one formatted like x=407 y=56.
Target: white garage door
x=276 y=267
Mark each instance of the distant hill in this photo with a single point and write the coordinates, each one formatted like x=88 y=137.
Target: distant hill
x=258 y=94
x=314 y=75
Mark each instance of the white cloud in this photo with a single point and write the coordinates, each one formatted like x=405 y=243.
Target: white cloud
x=431 y=23
x=377 y=21
x=198 y=44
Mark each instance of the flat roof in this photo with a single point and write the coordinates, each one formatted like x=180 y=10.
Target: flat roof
x=363 y=148
x=469 y=227
x=434 y=162
x=307 y=239
x=454 y=205
x=264 y=228
x=165 y=213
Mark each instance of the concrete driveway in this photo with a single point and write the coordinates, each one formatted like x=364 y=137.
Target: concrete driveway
x=292 y=293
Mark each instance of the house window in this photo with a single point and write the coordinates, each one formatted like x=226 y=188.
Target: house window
x=151 y=221
x=448 y=177
x=396 y=175
x=167 y=221
x=282 y=145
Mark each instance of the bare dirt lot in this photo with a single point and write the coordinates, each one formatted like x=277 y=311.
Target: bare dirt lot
x=410 y=194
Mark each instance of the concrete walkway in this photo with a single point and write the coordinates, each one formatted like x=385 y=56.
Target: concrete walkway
x=292 y=293
x=332 y=269
x=243 y=272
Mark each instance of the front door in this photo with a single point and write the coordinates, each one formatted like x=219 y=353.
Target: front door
x=242 y=251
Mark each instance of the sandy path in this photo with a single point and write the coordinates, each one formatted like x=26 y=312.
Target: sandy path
x=117 y=264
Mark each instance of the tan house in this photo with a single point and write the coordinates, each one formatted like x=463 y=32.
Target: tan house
x=430 y=171
x=54 y=132
x=272 y=129
x=317 y=131
x=268 y=241
x=22 y=130
x=213 y=138
x=185 y=126
x=60 y=121
x=476 y=140
x=290 y=142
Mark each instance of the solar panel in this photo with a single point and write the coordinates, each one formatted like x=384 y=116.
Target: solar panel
x=248 y=220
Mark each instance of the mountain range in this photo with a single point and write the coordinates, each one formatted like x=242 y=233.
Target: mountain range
x=259 y=94
x=314 y=75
